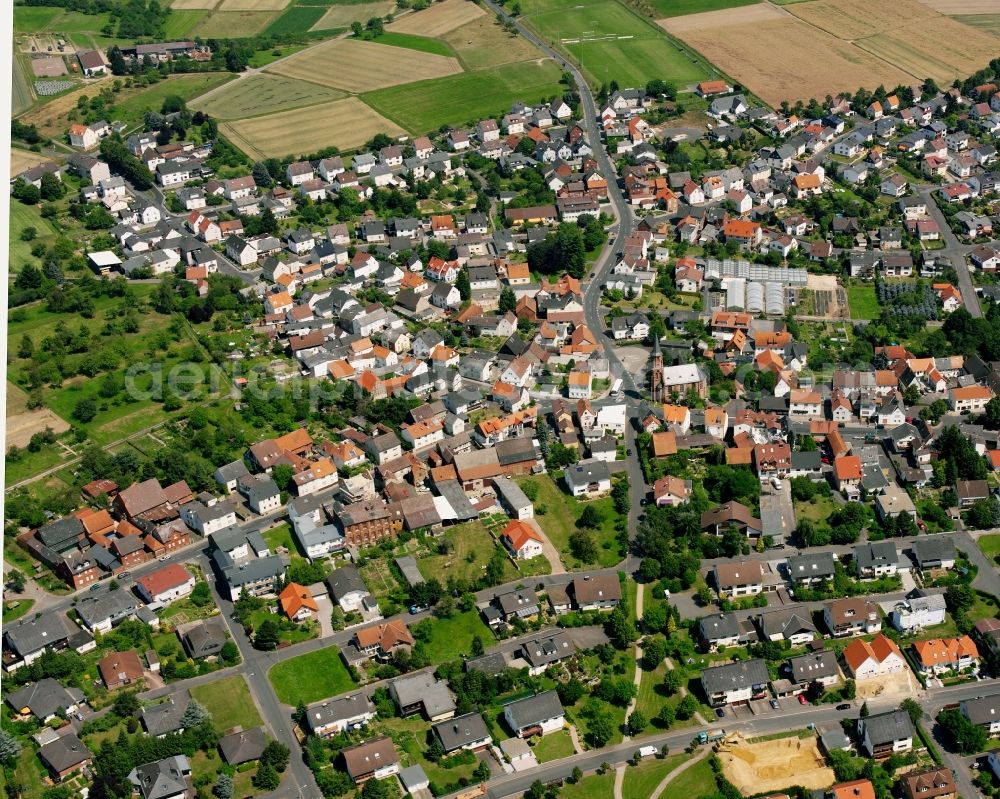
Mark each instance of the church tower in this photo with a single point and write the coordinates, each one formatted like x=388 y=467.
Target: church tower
x=656 y=374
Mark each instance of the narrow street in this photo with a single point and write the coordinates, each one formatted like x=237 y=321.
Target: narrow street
x=953 y=249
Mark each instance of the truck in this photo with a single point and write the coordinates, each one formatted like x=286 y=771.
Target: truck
x=711 y=736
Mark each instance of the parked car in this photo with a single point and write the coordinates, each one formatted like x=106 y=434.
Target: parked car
x=845 y=706
x=720 y=712
x=802 y=699
x=774 y=704
x=95 y=588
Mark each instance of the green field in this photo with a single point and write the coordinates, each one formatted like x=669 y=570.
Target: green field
x=229 y=702
x=296 y=19
x=21 y=96
x=679 y=8
x=451 y=638
x=471 y=549
x=987 y=22
x=459 y=99
x=640 y=781
x=617 y=44
x=596 y=786
x=21 y=217
x=281 y=536
x=28 y=19
x=863 y=302
x=180 y=22
x=264 y=94
x=420 y=43
x=699 y=780
x=990 y=545
x=186 y=87
x=14 y=609
x=554 y=746
x=311 y=677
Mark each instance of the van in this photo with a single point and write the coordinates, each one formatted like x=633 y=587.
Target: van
x=648 y=751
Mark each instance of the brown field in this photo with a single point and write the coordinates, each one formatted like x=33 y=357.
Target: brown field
x=19 y=161
x=892 y=687
x=341 y=16
x=857 y=19
x=344 y=124
x=824 y=64
x=363 y=66
x=253 y=5
x=48 y=67
x=742 y=15
x=22 y=426
x=194 y=5
x=50 y=117
x=943 y=50
x=773 y=765
x=483 y=43
x=234 y=24
x=439 y=19
x=962 y=6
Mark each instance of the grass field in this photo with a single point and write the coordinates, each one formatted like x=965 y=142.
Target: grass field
x=412 y=42
x=438 y=19
x=181 y=22
x=554 y=746
x=425 y=106
x=344 y=124
x=596 y=786
x=990 y=545
x=863 y=302
x=21 y=217
x=134 y=105
x=234 y=24
x=472 y=548
x=28 y=19
x=640 y=781
x=559 y=522
x=311 y=677
x=262 y=93
x=21 y=96
x=986 y=22
x=341 y=15
x=699 y=780
x=296 y=19
x=229 y=702
x=451 y=638
x=281 y=536
x=14 y=609
x=678 y=8
x=483 y=43
x=817 y=510
x=358 y=66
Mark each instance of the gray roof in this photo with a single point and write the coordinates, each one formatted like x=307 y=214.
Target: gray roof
x=875 y=553
x=785 y=622
x=888 y=727
x=511 y=493
x=242 y=747
x=162 y=779
x=492 y=663
x=534 y=709
x=345 y=580
x=549 y=649
x=164 y=717
x=519 y=602
x=407 y=566
x=204 y=638
x=412 y=776
x=811 y=565
x=61 y=534
x=813 y=666
x=982 y=709
x=229 y=472
x=461 y=731
x=425 y=688
x=585 y=472
x=93 y=609
x=719 y=626
x=341 y=709
x=32 y=634
x=44 y=698
x=931 y=550
x=64 y=753
x=734 y=676
x=251 y=571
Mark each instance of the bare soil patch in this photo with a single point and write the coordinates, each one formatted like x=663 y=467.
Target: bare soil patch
x=962 y=6
x=823 y=64
x=48 y=67
x=363 y=66
x=439 y=19
x=773 y=765
x=889 y=686
x=253 y=5
x=22 y=426
x=345 y=124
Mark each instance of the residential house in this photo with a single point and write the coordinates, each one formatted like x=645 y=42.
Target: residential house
x=735 y=683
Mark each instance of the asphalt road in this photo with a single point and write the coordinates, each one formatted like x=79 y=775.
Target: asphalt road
x=953 y=249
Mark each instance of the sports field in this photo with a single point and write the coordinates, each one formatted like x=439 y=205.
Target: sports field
x=438 y=19
x=344 y=124
x=341 y=16
x=263 y=94
x=420 y=107
x=363 y=66
x=612 y=43
x=824 y=63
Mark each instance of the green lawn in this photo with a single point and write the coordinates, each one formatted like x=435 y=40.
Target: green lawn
x=640 y=781
x=985 y=607
x=261 y=58
x=990 y=545
x=410 y=737
x=596 y=786
x=818 y=510
x=281 y=536
x=678 y=8
x=13 y=609
x=229 y=702
x=632 y=50
x=451 y=638
x=29 y=773
x=697 y=781
x=34 y=18
x=863 y=302
x=413 y=42
x=181 y=22
x=554 y=746
x=187 y=87
x=311 y=677
x=21 y=217
x=559 y=522
x=459 y=99
x=471 y=549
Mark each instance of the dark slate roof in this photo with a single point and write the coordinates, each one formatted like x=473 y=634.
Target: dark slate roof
x=534 y=709
x=734 y=676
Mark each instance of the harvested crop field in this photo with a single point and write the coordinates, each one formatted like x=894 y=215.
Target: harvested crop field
x=484 y=43
x=962 y=6
x=824 y=64
x=260 y=94
x=22 y=426
x=439 y=19
x=344 y=124
x=986 y=22
x=857 y=19
x=194 y=5
x=253 y=5
x=23 y=159
x=234 y=24
x=773 y=765
x=341 y=16
x=364 y=66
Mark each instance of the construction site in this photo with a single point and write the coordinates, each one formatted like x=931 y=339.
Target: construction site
x=772 y=765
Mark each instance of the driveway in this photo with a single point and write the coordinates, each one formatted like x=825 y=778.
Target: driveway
x=548 y=549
